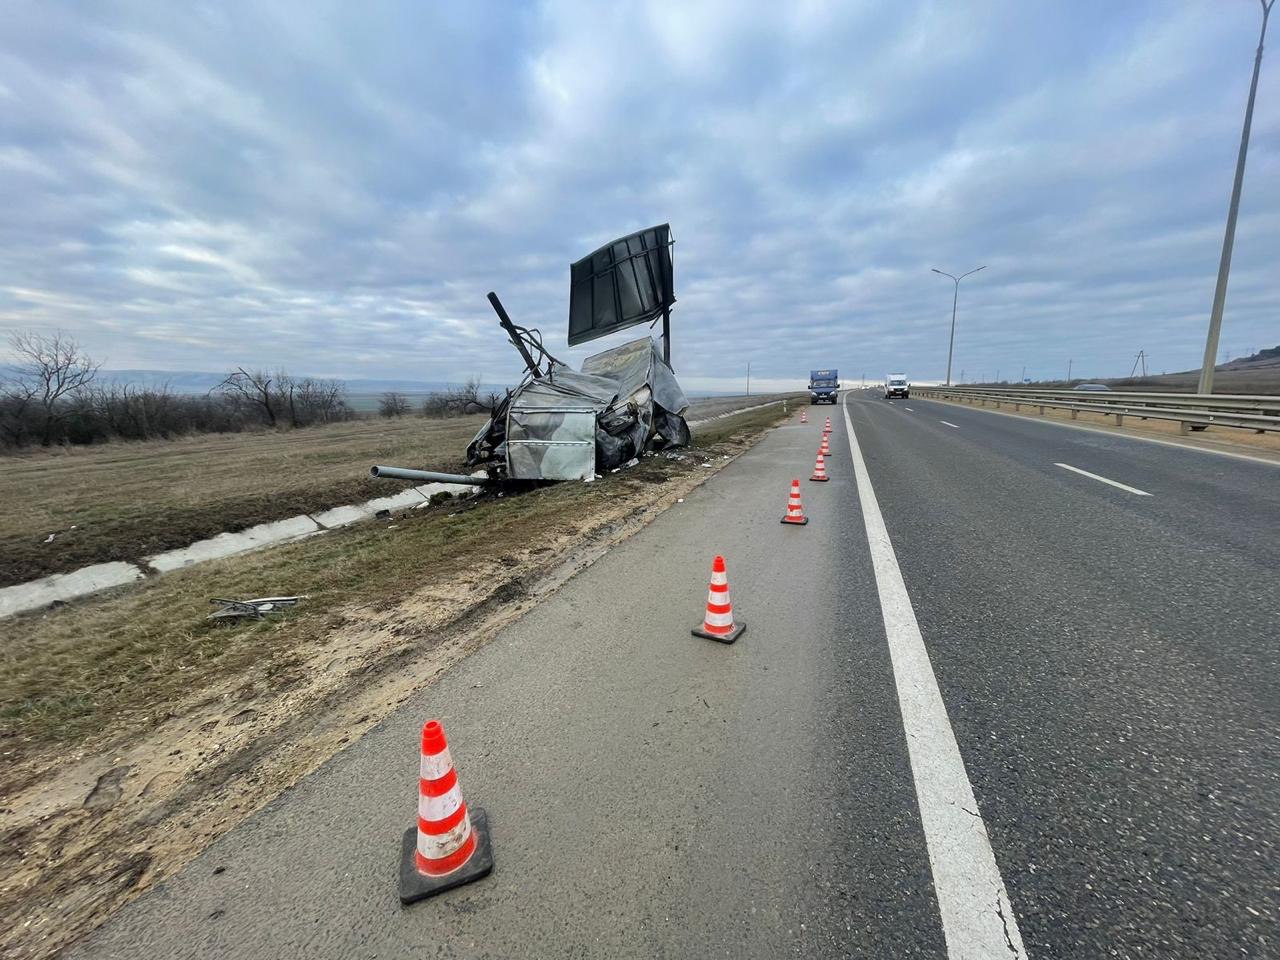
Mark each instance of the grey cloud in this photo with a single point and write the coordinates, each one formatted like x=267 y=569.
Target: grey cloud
x=335 y=189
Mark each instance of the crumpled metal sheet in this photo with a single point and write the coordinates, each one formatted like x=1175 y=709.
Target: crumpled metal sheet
x=570 y=425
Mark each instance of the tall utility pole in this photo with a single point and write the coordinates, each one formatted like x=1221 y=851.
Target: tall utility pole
x=1229 y=239
x=955 y=297
x=748 y=378
x=1068 y=371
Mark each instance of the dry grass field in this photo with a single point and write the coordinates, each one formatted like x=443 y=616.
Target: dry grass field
x=124 y=501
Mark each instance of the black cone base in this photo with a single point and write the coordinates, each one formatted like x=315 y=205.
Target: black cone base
x=415 y=886
x=729 y=637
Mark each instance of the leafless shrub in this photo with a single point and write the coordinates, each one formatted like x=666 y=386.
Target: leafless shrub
x=392 y=404
x=276 y=397
x=51 y=396
x=457 y=401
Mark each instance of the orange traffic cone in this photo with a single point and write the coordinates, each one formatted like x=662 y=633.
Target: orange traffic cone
x=820 y=469
x=795 y=512
x=828 y=426
x=718 y=623
x=450 y=844
x=826 y=446
x=804 y=416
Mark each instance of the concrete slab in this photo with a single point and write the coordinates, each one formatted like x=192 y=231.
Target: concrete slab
x=342 y=516
x=66 y=586
x=404 y=500
x=229 y=544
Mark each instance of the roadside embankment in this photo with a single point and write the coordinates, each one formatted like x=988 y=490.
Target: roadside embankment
x=1265 y=446
x=134 y=731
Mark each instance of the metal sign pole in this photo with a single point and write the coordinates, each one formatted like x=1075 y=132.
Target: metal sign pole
x=666 y=335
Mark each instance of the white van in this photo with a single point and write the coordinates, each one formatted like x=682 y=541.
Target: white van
x=895 y=385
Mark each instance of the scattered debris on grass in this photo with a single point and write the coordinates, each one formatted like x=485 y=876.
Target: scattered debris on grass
x=250 y=609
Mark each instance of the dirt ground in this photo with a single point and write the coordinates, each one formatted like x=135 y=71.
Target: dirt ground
x=124 y=501
x=134 y=733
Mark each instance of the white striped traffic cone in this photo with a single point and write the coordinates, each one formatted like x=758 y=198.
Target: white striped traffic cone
x=804 y=416
x=718 y=623
x=826 y=446
x=795 y=512
x=828 y=426
x=820 y=469
x=450 y=844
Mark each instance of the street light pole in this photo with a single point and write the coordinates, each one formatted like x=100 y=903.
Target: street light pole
x=1228 y=241
x=955 y=296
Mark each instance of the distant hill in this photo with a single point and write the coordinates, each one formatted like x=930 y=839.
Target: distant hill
x=1257 y=374
x=1263 y=359
x=199 y=381
x=362 y=392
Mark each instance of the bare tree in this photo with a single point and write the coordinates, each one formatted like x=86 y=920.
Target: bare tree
x=322 y=401
x=257 y=389
x=49 y=369
x=393 y=404
x=456 y=401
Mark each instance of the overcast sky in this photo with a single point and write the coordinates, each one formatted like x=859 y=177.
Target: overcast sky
x=333 y=187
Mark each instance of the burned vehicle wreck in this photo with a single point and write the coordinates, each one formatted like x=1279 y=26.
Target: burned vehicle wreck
x=566 y=424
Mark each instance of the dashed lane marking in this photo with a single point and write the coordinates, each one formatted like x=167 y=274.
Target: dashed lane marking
x=1094 y=476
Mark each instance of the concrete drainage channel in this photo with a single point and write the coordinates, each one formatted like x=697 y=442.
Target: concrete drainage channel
x=61 y=587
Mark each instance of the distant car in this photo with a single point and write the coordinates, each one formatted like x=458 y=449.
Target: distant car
x=1091 y=387
x=896 y=385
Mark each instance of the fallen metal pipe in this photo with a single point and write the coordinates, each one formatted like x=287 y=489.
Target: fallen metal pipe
x=426 y=476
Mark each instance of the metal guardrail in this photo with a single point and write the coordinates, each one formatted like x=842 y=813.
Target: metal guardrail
x=1194 y=411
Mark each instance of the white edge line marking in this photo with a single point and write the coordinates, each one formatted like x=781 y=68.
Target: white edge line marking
x=977 y=917
x=948 y=423
x=908 y=409
x=1094 y=476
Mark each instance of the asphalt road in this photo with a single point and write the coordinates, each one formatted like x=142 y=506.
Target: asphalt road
x=1106 y=661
